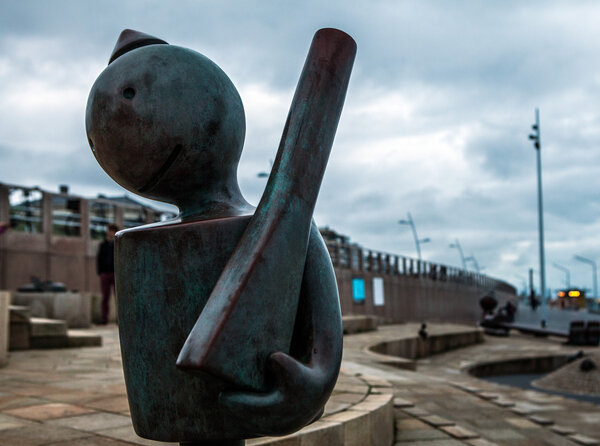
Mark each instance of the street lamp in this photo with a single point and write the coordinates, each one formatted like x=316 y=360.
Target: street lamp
x=535 y=137
x=418 y=241
x=472 y=258
x=594 y=271
x=567 y=273
x=456 y=245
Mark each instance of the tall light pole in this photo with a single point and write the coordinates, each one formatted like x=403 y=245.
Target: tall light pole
x=409 y=221
x=535 y=137
x=472 y=258
x=567 y=273
x=594 y=271
x=456 y=245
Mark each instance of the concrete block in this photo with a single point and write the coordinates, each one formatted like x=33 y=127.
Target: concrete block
x=18 y=336
x=382 y=422
x=44 y=342
x=19 y=313
x=78 y=338
x=321 y=433
x=359 y=323
x=356 y=425
x=4 y=327
x=41 y=327
x=74 y=308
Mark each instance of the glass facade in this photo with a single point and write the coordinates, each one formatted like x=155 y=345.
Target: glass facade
x=66 y=216
x=101 y=215
x=25 y=210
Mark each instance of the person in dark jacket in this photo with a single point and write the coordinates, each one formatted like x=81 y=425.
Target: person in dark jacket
x=105 y=262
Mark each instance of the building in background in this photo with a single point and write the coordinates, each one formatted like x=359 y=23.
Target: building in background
x=55 y=236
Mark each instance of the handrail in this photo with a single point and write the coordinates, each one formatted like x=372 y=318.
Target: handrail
x=359 y=259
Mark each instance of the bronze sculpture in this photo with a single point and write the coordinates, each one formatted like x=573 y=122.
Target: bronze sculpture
x=228 y=316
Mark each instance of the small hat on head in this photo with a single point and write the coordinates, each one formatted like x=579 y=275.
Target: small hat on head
x=130 y=40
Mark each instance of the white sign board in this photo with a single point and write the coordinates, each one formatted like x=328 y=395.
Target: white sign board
x=378 y=296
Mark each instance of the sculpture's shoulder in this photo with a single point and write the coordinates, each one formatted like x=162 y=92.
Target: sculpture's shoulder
x=177 y=225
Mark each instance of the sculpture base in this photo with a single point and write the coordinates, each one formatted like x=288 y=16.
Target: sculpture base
x=214 y=443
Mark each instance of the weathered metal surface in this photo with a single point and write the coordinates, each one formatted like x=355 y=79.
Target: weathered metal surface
x=252 y=295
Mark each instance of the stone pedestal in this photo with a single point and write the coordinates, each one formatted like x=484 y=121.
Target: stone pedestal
x=4 y=304
x=74 y=308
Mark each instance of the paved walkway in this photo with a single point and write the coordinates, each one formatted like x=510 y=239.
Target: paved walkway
x=441 y=405
x=77 y=397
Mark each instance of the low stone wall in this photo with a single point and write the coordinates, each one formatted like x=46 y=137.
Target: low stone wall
x=416 y=347
x=414 y=298
x=74 y=308
x=358 y=323
x=515 y=366
x=367 y=422
x=4 y=325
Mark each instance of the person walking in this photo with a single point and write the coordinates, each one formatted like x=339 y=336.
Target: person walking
x=105 y=262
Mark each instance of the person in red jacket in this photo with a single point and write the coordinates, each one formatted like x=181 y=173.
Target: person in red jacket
x=105 y=263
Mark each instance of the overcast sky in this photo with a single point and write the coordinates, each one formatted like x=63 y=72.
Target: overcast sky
x=435 y=123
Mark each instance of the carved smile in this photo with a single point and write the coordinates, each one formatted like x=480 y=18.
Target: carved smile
x=160 y=173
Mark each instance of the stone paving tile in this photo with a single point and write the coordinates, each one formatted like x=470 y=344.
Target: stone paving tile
x=352 y=388
x=332 y=407
x=8 y=422
x=350 y=398
x=411 y=424
x=94 y=441
x=544 y=421
x=94 y=422
x=74 y=396
x=502 y=434
x=459 y=432
x=503 y=403
x=127 y=434
x=480 y=442
x=582 y=439
x=416 y=411
x=36 y=390
x=402 y=403
x=10 y=402
x=437 y=421
x=562 y=430
x=48 y=411
x=419 y=435
x=38 y=434
x=440 y=442
x=118 y=404
x=522 y=423
x=488 y=395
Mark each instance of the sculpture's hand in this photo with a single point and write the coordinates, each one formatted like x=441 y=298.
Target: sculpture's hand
x=303 y=380
x=296 y=399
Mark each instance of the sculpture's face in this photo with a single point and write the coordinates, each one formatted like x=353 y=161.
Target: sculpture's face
x=163 y=121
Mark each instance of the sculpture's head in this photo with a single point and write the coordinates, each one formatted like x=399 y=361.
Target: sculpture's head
x=164 y=121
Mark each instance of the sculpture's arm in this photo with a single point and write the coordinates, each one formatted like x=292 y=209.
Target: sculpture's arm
x=233 y=336
x=304 y=379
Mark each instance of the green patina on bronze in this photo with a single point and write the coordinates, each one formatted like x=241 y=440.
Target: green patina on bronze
x=228 y=316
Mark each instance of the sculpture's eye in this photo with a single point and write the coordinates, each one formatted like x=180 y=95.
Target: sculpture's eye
x=92 y=145
x=128 y=93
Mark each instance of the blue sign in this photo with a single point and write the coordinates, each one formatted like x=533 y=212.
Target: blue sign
x=358 y=291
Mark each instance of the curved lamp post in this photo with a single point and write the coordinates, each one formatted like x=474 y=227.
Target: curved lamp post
x=594 y=272
x=456 y=245
x=418 y=241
